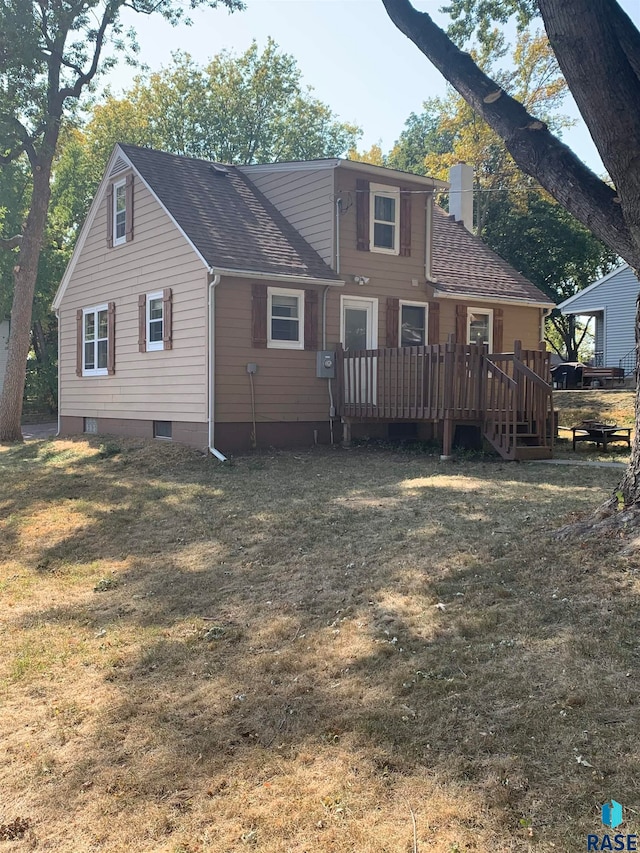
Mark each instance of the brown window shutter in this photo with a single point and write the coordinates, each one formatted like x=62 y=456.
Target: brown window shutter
x=259 y=316
x=167 y=318
x=129 y=203
x=362 y=215
x=310 y=319
x=461 y=324
x=498 y=329
x=405 y=223
x=393 y=319
x=79 y=342
x=433 y=333
x=111 y=338
x=142 y=323
x=110 y=217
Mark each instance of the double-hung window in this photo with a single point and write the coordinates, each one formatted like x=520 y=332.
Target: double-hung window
x=119 y=213
x=95 y=341
x=480 y=326
x=384 y=219
x=155 y=320
x=285 y=316
x=413 y=324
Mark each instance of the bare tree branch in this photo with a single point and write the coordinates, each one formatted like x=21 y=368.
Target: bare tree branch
x=10 y=242
x=537 y=151
x=592 y=40
x=83 y=78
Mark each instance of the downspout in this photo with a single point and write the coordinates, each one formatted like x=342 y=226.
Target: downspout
x=338 y=208
x=428 y=237
x=332 y=405
x=57 y=313
x=215 y=281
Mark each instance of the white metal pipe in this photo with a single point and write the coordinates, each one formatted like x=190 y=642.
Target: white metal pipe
x=57 y=313
x=215 y=281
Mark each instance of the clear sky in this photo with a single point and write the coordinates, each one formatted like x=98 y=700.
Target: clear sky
x=349 y=52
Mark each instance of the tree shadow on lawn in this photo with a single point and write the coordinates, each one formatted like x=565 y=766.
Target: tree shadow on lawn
x=378 y=624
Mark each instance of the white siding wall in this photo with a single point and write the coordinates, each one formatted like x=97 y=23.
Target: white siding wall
x=619 y=296
x=4 y=343
x=305 y=198
x=163 y=385
x=616 y=296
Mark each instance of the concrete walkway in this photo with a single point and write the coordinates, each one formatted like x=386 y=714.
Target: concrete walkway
x=32 y=431
x=579 y=462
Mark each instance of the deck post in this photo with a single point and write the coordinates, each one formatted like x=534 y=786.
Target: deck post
x=447 y=439
x=346 y=433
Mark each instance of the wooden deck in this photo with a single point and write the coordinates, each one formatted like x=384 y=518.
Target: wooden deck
x=508 y=395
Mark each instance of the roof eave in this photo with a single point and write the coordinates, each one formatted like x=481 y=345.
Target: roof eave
x=268 y=276
x=468 y=297
x=581 y=293
x=384 y=172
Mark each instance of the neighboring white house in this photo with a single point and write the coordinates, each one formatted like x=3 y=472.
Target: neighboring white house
x=4 y=345
x=612 y=303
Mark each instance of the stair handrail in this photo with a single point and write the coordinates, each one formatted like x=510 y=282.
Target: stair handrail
x=546 y=390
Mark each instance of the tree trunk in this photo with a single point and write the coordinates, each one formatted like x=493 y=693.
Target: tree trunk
x=25 y=274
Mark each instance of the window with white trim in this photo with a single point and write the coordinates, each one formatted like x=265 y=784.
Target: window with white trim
x=95 y=340
x=155 y=320
x=384 y=219
x=285 y=315
x=413 y=324
x=119 y=213
x=480 y=326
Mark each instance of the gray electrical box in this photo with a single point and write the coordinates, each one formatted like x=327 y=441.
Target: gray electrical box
x=326 y=364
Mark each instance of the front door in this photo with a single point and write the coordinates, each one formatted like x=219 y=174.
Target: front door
x=359 y=331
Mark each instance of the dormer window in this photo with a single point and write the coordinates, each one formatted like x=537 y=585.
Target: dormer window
x=385 y=219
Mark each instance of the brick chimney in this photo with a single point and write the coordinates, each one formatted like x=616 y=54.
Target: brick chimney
x=461 y=194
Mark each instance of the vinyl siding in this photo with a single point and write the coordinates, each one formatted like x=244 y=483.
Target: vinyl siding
x=165 y=385
x=404 y=277
x=305 y=198
x=616 y=296
x=285 y=385
x=4 y=344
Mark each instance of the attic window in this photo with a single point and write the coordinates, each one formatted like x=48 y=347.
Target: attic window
x=119 y=213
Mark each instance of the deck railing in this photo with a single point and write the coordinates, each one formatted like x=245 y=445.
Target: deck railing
x=508 y=392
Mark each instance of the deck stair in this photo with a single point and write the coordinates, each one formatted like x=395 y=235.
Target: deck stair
x=508 y=394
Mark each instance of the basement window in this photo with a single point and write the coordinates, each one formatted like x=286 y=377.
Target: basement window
x=162 y=429
x=90 y=426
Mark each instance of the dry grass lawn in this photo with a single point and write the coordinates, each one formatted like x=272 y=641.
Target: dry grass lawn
x=306 y=652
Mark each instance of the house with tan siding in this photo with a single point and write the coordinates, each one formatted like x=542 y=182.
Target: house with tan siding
x=213 y=305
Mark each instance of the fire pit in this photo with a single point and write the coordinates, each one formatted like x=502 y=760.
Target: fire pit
x=601 y=433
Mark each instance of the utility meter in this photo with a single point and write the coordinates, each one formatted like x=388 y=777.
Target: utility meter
x=325 y=364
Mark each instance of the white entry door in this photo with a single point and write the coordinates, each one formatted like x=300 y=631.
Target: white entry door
x=359 y=331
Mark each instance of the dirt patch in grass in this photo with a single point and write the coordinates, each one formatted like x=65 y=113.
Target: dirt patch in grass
x=295 y=652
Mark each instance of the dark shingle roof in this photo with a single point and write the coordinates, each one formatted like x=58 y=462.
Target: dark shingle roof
x=229 y=221
x=462 y=264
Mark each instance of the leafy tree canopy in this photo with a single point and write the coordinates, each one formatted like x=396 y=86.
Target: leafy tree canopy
x=251 y=108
